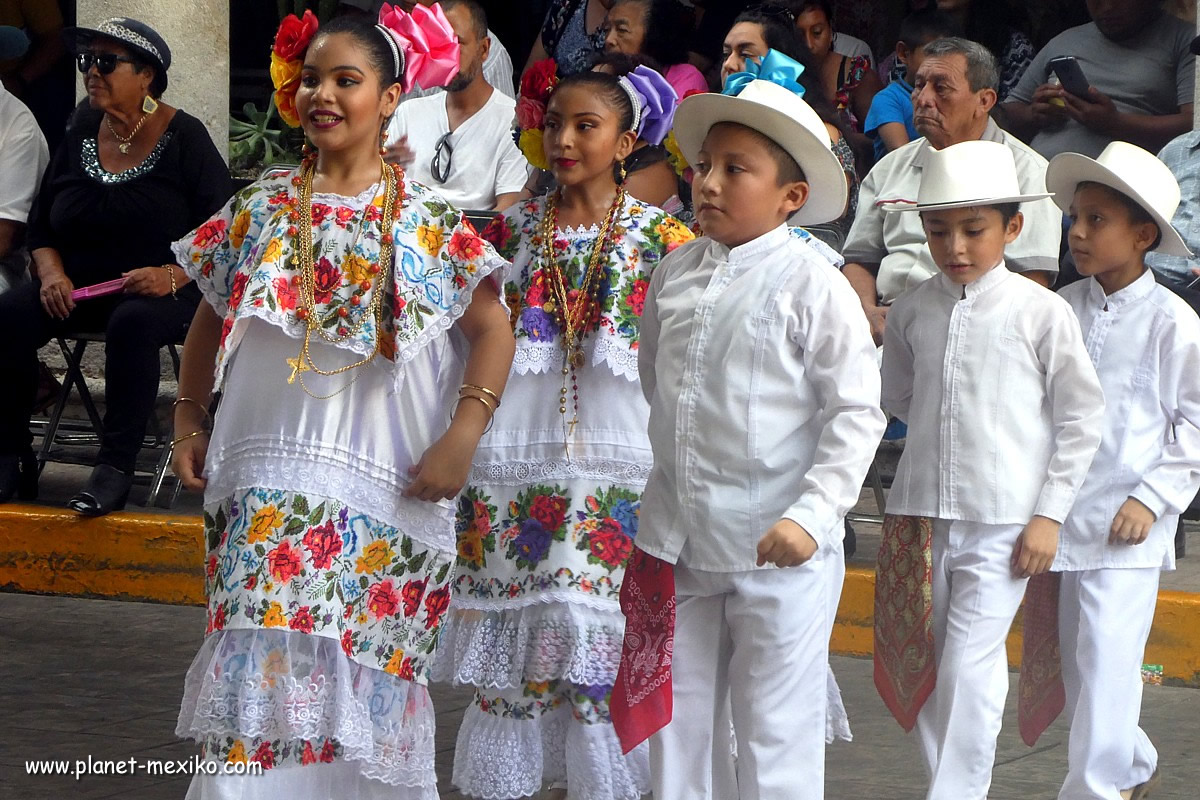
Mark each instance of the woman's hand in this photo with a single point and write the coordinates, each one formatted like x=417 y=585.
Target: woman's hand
x=442 y=471
x=56 y=294
x=148 y=281
x=187 y=462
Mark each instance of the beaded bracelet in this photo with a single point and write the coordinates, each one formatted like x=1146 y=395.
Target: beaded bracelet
x=170 y=268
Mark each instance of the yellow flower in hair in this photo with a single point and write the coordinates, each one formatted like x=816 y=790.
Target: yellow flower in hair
x=285 y=76
x=531 y=146
x=431 y=238
x=675 y=155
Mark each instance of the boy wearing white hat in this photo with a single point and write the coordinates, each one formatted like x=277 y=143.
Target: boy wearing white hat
x=1003 y=410
x=764 y=394
x=1145 y=343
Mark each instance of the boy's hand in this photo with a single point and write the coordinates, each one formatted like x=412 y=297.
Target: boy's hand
x=1035 y=548
x=1132 y=523
x=786 y=545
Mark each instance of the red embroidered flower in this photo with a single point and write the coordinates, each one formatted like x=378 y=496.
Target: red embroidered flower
x=342 y=215
x=293 y=36
x=210 y=569
x=285 y=296
x=209 y=234
x=319 y=212
x=497 y=232
x=549 y=510
x=465 y=246
x=302 y=620
x=412 y=596
x=284 y=562
x=348 y=644
x=328 y=752
x=374 y=213
x=536 y=294
x=436 y=603
x=637 y=296
x=251 y=582
x=609 y=543
x=323 y=544
x=239 y=289
x=216 y=620
x=307 y=756
x=279 y=198
x=483 y=519
x=539 y=79
x=326 y=279
x=406 y=670
x=382 y=600
x=264 y=755
x=226 y=328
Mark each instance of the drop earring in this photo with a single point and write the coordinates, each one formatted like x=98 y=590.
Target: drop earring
x=149 y=104
x=624 y=174
x=383 y=142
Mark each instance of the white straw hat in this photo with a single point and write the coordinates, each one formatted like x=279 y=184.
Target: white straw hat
x=1131 y=171
x=966 y=175
x=784 y=118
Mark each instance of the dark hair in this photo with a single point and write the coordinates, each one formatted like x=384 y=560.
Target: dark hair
x=624 y=63
x=158 y=84
x=667 y=25
x=605 y=87
x=922 y=27
x=1137 y=212
x=478 y=16
x=1006 y=210
x=798 y=7
x=787 y=170
x=371 y=39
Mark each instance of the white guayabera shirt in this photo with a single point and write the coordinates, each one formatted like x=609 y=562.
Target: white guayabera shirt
x=764 y=399
x=1004 y=409
x=1145 y=344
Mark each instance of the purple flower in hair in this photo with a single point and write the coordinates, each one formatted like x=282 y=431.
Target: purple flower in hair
x=656 y=109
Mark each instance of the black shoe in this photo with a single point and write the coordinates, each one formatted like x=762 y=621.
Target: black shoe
x=106 y=491
x=18 y=477
x=850 y=542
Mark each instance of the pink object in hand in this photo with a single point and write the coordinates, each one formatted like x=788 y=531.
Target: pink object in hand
x=99 y=289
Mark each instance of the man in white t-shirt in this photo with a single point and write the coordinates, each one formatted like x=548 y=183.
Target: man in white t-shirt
x=459 y=142
x=23 y=158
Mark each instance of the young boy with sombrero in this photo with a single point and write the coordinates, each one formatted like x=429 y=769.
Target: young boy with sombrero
x=1003 y=410
x=1145 y=344
x=764 y=417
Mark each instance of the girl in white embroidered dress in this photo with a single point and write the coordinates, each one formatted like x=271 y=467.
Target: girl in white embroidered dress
x=348 y=312
x=546 y=523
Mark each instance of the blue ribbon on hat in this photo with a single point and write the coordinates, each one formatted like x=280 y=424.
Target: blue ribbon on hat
x=774 y=67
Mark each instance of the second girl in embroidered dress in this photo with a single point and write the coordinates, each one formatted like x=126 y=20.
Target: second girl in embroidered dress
x=546 y=523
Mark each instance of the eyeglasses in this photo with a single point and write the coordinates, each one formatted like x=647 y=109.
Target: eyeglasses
x=105 y=62
x=439 y=172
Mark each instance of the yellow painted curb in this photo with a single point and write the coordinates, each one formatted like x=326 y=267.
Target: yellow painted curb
x=160 y=558
x=1174 y=640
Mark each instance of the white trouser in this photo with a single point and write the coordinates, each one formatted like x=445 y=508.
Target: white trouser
x=975 y=598
x=1104 y=618
x=759 y=641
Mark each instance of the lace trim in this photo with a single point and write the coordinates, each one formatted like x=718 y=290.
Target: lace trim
x=329 y=472
x=506 y=649
x=498 y=759
x=607 y=350
x=550 y=469
x=275 y=685
x=90 y=157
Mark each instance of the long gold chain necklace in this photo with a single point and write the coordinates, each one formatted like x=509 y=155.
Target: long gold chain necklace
x=575 y=309
x=307 y=312
x=125 y=142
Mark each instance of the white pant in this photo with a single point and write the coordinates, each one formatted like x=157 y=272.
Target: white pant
x=975 y=598
x=1104 y=618
x=758 y=640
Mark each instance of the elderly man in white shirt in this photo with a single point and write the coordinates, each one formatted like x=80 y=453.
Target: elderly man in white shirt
x=459 y=142
x=23 y=158
x=886 y=254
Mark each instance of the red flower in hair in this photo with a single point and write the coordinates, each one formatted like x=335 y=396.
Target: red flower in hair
x=539 y=80
x=293 y=36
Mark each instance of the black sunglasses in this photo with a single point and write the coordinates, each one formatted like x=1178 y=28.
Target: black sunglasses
x=105 y=62
x=439 y=172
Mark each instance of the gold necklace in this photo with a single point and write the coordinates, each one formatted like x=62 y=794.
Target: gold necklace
x=125 y=141
x=574 y=315
x=307 y=313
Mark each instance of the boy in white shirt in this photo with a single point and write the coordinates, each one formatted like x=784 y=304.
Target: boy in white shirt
x=1003 y=410
x=1145 y=344
x=764 y=417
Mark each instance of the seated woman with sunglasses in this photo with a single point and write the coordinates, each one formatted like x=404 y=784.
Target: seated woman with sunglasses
x=133 y=175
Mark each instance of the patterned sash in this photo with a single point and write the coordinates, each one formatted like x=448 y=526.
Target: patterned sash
x=641 y=698
x=905 y=668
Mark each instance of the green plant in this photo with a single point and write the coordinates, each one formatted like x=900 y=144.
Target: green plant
x=260 y=139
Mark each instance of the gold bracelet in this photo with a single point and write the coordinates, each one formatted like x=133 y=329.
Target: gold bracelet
x=491 y=413
x=202 y=407
x=495 y=397
x=491 y=407
x=187 y=436
x=171 y=272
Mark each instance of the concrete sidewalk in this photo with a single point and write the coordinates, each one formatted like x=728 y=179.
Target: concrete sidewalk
x=96 y=678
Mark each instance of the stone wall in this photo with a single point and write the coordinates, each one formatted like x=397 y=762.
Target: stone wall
x=197 y=31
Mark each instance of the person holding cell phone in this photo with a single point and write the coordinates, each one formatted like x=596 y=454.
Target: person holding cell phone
x=1126 y=75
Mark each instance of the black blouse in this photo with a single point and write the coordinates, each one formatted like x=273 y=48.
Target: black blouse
x=103 y=223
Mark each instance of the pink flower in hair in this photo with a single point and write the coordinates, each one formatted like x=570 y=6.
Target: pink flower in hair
x=431 y=52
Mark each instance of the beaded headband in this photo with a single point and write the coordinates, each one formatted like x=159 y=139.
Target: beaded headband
x=397 y=52
x=635 y=100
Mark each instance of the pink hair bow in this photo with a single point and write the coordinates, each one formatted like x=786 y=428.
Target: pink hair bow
x=431 y=53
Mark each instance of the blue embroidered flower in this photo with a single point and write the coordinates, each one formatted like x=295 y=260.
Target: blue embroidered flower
x=539 y=325
x=532 y=542
x=597 y=693
x=626 y=513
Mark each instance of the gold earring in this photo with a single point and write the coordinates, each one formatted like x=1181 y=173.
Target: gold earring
x=149 y=105
x=624 y=174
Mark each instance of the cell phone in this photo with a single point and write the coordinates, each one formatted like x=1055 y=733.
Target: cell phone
x=1070 y=75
